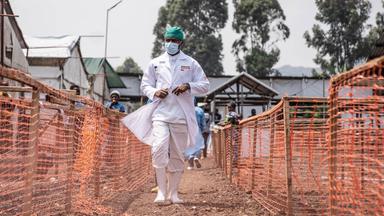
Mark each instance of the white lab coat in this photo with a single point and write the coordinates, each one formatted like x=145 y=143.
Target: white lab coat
x=158 y=75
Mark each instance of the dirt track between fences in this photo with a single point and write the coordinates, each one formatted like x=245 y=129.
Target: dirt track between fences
x=205 y=192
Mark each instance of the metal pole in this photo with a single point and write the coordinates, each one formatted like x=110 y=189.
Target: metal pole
x=323 y=85
x=106 y=36
x=106 y=28
x=106 y=46
x=105 y=57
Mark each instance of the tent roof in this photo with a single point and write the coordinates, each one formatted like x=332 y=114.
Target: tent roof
x=53 y=47
x=249 y=82
x=15 y=25
x=95 y=66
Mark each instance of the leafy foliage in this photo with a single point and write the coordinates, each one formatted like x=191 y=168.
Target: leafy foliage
x=129 y=66
x=342 y=44
x=377 y=32
x=201 y=20
x=261 y=25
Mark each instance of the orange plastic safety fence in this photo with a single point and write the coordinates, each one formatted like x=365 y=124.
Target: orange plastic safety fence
x=15 y=119
x=65 y=154
x=356 y=142
x=311 y=156
x=279 y=156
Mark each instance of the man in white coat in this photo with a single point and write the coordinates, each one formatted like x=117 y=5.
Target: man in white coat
x=170 y=81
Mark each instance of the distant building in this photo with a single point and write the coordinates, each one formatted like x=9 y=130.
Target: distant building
x=102 y=78
x=13 y=42
x=57 y=61
x=250 y=92
x=282 y=85
x=132 y=91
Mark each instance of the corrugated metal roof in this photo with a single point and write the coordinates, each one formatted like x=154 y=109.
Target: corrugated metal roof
x=95 y=66
x=53 y=47
x=249 y=82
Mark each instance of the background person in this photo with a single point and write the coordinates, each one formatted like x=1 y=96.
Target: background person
x=193 y=154
x=114 y=104
x=206 y=129
x=217 y=116
x=253 y=112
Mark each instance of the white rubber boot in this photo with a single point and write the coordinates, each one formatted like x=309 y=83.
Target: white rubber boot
x=161 y=179
x=173 y=185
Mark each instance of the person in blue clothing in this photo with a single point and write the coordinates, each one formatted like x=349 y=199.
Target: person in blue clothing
x=193 y=153
x=114 y=104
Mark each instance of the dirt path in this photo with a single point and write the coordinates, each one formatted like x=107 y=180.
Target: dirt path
x=205 y=192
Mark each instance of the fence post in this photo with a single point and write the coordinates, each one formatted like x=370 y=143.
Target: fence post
x=70 y=161
x=253 y=163
x=288 y=156
x=271 y=153
x=116 y=153
x=225 y=152
x=31 y=156
x=219 y=144
x=98 y=154
x=231 y=148
x=213 y=144
x=332 y=152
x=58 y=140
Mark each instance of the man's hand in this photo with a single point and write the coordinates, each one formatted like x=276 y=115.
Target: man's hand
x=162 y=93
x=181 y=89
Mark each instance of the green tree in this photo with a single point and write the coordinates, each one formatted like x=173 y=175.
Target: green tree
x=377 y=32
x=129 y=66
x=342 y=44
x=380 y=18
x=202 y=21
x=260 y=24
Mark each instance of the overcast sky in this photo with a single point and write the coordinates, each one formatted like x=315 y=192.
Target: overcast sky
x=131 y=25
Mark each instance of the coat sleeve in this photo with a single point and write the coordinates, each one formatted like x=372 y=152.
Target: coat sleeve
x=200 y=83
x=148 y=83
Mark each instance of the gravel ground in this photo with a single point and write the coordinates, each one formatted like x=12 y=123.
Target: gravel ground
x=205 y=192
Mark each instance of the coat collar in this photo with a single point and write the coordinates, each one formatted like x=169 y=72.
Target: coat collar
x=182 y=56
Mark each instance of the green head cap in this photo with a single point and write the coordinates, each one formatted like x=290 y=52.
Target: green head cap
x=174 y=32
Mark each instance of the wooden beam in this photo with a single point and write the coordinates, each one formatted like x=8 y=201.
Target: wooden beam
x=9 y=15
x=70 y=159
x=271 y=153
x=224 y=138
x=332 y=153
x=288 y=157
x=15 y=89
x=231 y=147
x=31 y=156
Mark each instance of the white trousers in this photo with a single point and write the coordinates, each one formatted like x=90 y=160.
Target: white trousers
x=170 y=142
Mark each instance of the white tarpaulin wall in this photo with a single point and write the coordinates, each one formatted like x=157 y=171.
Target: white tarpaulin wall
x=65 y=48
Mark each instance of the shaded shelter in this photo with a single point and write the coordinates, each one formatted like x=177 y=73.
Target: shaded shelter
x=245 y=90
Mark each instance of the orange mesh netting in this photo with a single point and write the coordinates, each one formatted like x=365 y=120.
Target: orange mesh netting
x=312 y=156
x=65 y=154
x=278 y=156
x=356 y=144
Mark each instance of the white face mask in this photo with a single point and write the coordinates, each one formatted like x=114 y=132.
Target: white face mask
x=172 y=48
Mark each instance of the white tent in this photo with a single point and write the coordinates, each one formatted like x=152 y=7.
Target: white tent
x=57 y=61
